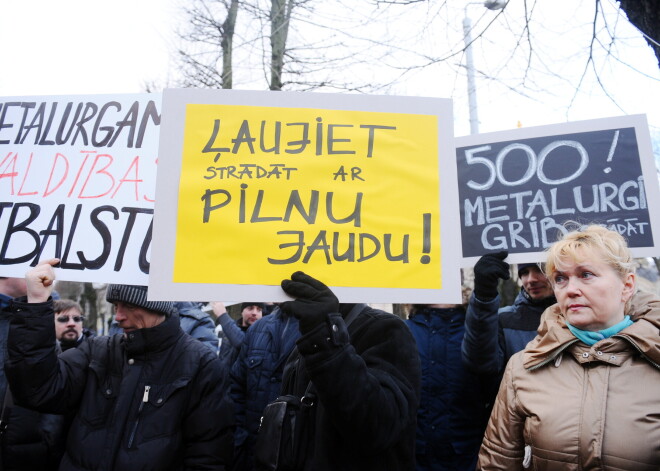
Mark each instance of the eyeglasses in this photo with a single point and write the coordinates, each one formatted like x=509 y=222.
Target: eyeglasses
x=65 y=319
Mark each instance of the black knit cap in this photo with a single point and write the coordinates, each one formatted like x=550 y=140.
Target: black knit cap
x=244 y=305
x=522 y=266
x=137 y=296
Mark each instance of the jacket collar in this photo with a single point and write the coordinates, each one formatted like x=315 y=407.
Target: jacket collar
x=524 y=298
x=153 y=339
x=554 y=337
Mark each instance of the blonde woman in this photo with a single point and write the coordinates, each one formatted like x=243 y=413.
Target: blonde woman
x=585 y=393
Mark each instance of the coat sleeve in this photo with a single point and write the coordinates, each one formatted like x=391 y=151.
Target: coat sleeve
x=239 y=371
x=209 y=424
x=232 y=331
x=503 y=447
x=480 y=350
x=38 y=378
x=369 y=387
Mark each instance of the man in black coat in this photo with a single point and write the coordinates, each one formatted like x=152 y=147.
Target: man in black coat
x=366 y=378
x=29 y=440
x=152 y=398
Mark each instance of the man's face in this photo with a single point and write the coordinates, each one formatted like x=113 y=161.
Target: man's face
x=131 y=317
x=251 y=314
x=535 y=283
x=68 y=325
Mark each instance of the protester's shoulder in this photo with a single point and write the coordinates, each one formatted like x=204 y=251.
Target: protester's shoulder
x=196 y=314
x=193 y=346
x=512 y=309
x=197 y=360
x=510 y=317
x=192 y=311
x=264 y=324
x=98 y=348
x=102 y=341
x=379 y=318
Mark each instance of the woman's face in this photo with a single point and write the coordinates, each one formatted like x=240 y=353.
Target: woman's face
x=590 y=293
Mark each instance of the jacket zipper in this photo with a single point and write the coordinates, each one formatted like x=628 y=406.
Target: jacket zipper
x=145 y=399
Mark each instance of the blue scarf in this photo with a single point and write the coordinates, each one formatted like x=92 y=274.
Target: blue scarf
x=591 y=338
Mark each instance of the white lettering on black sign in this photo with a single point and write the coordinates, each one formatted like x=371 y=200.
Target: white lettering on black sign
x=516 y=195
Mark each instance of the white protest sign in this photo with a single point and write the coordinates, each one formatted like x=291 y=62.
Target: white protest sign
x=77 y=182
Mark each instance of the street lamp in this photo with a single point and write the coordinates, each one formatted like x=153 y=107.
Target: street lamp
x=469 y=64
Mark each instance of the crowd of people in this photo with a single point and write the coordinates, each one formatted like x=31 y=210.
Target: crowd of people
x=566 y=378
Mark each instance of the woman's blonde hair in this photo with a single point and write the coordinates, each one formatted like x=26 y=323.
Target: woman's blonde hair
x=607 y=243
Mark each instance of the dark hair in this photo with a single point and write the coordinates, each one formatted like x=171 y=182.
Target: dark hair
x=61 y=305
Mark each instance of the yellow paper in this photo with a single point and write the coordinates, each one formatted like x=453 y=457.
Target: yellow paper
x=345 y=196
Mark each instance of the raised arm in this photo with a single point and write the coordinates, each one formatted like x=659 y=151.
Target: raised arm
x=481 y=347
x=38 y=378
x=368 y=381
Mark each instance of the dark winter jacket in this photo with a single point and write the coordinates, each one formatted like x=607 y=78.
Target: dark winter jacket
x=367 y=381
x=257 y=375
x=32 y=440
x=232 y=334
x=155 y=399
x=86 y=333
x=197 y=323
x=493 y=336
x=455 y=403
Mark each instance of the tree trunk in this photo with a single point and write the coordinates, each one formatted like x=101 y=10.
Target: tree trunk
x=645 y=15
x=280 y=14
x=227 y=44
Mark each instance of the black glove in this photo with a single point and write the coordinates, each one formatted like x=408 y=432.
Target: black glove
x=314 y=301
x=487 y=272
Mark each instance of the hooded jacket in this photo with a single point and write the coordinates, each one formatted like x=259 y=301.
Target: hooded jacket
x=153 y=399
x=564 y=405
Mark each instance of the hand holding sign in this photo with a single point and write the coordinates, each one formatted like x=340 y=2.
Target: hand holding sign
x=487 y=273
x=40 y=281
x=314 y=301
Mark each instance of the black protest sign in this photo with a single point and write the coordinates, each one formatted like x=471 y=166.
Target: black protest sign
x=516 y=194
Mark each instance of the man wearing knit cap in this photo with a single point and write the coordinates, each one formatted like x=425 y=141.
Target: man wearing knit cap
x=233 y=331
x=493 y=335
x=152 y=398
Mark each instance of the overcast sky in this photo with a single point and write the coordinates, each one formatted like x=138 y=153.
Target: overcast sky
x=83 y=46
x=92 y=46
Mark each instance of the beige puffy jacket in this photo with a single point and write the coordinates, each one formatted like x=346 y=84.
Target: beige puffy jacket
x=563 y=405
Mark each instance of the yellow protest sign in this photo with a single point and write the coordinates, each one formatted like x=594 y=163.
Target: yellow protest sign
x=350 y=196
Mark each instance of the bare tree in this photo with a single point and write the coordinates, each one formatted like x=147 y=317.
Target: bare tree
x=208 y=39
x=293 y=44
x=280 y=16
x=645 y=15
